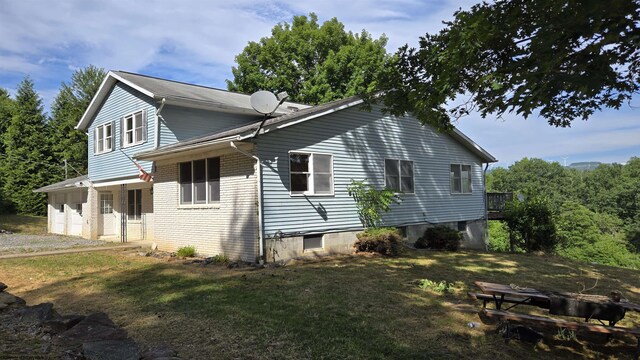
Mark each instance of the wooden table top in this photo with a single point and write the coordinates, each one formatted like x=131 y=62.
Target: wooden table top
x=520 y=292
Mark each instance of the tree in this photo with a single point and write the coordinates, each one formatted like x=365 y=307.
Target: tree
x=6 y=113
x=565 y=59
x=313 y=63
x=67 y=109
x=28 y=161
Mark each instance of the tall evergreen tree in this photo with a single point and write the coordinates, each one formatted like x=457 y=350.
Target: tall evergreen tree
x=67 y=109
x=6 y=113
x=27 y=162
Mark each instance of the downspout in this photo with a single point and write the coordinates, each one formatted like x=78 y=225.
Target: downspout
x=157 y=129
x=486 y=211
x=260 y=225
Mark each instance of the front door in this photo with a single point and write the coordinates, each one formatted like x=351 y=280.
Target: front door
x=107 y=217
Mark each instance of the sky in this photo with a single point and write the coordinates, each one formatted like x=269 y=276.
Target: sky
x=196 y=41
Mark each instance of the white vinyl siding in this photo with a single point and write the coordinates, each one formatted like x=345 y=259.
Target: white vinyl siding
x=460 y=179
x=310 y=174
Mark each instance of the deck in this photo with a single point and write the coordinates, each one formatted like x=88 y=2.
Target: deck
x=496 y=203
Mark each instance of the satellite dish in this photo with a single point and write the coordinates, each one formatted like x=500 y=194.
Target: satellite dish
x=264 y=102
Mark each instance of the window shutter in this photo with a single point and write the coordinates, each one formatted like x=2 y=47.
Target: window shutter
x=95 y=140
x=122 y=131
x=113 y=135
x=144 y=125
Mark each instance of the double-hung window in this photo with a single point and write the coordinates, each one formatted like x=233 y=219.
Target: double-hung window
x=311 y=174
x=460 y=179
x=103 y=138
x=134 y=129
x=200 y=181
x=398 y=176
x=134 y=209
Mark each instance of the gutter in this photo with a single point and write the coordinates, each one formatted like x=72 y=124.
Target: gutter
x=157 y=129
x=260 y=222
x=486 y=210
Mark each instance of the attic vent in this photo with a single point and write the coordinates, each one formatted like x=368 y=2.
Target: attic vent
x=293 y=108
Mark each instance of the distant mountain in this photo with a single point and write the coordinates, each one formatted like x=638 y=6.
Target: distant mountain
x=585 y=165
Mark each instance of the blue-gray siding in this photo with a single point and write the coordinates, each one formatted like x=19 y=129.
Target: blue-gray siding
x=359 y=142
x=122 y=100
x=180 y=123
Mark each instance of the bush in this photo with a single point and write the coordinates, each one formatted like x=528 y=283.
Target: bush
x=186 y=251
x=386 y=241
x=439 y=287
x=530 y=223
x=220 y=259
x=440 y=237
x=498 y=237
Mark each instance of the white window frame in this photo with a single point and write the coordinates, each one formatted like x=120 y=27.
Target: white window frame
x=134 y=129
x=451 y=180
x=208 y=202
x=311 y=185
x=413 y=172
x=106 y=141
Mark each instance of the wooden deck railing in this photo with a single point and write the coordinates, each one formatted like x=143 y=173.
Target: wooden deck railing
x=497 y=201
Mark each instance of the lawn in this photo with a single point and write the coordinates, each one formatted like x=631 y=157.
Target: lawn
x=26 y=224
x=357 y=307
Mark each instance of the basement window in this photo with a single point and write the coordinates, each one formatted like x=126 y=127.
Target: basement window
x=312 y=242
x=462 y=226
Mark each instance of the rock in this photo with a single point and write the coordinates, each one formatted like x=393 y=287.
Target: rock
x=9 y=299
x=95 y=327
x=157 y=353
x=2 y=287
x=63 y=324
x=3 y=305
x=37 y=314
x=111 y=350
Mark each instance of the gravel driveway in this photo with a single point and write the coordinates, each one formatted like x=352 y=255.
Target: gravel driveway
x=20 y=243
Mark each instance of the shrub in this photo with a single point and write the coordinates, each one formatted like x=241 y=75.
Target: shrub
x=530 y=223
x=371 y=202
x=439 y=287
x=498 y=237
x=220 y=259
x=386 y=241
x=186 y=251
x=440 y=237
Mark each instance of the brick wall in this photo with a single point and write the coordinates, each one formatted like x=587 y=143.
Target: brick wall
x=229 y=228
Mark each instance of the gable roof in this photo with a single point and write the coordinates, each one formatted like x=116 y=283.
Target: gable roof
x=65 y=184
x=278 y=122
x=177 y=93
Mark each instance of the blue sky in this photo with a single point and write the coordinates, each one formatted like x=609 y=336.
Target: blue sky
x=196 y=41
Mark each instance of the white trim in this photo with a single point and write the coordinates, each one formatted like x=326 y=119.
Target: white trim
x=124 y=130
x=102 y=128
x=413 y=171
x=119 y=182
x=462 y=192
x=310 y=184
x=108 y=82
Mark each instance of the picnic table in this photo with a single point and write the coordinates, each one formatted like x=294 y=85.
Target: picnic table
x=585 y=306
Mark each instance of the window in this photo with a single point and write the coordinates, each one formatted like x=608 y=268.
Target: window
x=460 y=179
x=200 y=181
x=312 y=242
x=61 y=208
x=134 y=130
x=79 y=209
x=103 y=139
x=398 y=175
x=106 y=203
x=311 y=174
x=134 y=204
x=462 y=226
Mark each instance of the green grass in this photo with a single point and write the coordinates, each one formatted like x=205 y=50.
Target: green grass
x=24 y=224
x=356 y=307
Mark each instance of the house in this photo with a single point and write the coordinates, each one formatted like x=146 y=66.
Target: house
x=231 y=181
